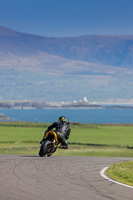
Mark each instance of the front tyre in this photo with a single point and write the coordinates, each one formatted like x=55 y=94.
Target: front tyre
x=45 y=148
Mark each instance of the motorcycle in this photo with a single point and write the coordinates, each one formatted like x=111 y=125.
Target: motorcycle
x=50 y=145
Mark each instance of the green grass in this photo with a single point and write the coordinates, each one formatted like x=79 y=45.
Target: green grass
x=85 y=139
x=95 y=151
x=104 y=134
x=122 y=172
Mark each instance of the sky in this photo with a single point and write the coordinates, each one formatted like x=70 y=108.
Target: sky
x=66 y=18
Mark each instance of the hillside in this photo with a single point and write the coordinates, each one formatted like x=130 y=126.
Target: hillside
x=99 y=49
x=39 y=68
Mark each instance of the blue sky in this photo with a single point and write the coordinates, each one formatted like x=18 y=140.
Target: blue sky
x=63 y=18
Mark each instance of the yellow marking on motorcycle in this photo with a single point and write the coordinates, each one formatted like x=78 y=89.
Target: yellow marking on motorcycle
x=54 y=134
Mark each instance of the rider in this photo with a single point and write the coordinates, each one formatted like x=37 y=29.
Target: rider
x=62 y=129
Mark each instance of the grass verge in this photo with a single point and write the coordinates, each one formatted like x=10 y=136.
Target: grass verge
x=122 y=172
x=74 y=150
x=85 y=139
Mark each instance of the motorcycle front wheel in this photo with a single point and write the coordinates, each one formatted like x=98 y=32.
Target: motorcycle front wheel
x=45 y=148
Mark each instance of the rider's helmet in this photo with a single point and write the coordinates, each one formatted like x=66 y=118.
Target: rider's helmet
x=62 y=119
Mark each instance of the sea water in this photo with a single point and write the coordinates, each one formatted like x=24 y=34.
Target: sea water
x=72 y=115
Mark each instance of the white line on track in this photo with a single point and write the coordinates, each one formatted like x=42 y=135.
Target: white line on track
x=102 y=173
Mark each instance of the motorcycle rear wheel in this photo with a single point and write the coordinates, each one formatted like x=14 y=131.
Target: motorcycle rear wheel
x=44 y=148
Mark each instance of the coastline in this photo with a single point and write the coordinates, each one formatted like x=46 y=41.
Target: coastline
x=4 y=117
x=46 y=105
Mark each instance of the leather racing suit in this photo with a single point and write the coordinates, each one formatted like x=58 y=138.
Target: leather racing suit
x=62 y=130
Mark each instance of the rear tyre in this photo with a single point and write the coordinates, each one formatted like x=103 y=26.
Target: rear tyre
x=45 y=148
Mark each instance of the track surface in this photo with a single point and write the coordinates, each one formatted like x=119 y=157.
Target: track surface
x=58 y=178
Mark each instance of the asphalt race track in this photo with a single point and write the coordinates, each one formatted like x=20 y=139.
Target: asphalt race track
x=58 y=178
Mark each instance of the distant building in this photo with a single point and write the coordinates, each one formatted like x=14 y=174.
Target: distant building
x=85 y=99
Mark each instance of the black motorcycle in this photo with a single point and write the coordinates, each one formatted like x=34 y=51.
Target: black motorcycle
x=50 y=145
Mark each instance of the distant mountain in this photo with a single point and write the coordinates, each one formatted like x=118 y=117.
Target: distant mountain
x=96 y=66
x=99 y=49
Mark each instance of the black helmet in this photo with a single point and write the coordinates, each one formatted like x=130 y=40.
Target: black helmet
x=62 y=119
